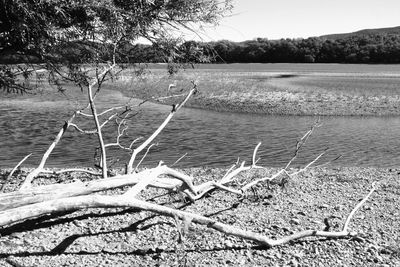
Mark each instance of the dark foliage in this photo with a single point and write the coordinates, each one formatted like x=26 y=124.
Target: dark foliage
x=59 y=36
x=374 y=48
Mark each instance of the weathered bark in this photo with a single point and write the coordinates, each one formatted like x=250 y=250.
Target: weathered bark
x=56 y=191
x=103 y=158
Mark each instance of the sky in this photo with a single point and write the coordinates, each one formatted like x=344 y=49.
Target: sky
x=275 y=19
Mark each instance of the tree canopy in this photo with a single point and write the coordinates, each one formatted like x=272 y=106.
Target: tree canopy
x=372 y=48
x=52 y=34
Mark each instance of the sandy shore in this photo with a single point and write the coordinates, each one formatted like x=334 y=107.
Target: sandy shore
x=284 y=103
x=123 y=237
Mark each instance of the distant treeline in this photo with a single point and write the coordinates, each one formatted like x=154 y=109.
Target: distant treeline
x=376 y=48
x=380 y=48
x=373 y=48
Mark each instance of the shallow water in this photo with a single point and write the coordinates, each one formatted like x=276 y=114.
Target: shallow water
x=209 y=138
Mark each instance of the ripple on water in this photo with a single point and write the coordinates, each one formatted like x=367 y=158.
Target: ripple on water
x=209 y=138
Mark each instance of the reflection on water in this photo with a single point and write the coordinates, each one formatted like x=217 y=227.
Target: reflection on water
x=208 y=138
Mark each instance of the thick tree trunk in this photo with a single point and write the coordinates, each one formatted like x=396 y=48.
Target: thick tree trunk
x=56 y=191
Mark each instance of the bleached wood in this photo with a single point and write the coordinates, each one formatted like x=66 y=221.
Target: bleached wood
x=55 y=191
x=12 y=216
x=19 y=164
x=37 y=170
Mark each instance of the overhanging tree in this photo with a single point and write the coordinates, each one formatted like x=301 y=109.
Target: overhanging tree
x=46 y=32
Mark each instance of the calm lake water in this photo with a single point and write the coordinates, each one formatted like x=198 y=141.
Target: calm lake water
x=28 y=125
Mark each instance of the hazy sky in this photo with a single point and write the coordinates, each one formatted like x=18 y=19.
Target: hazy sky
x=275 y=19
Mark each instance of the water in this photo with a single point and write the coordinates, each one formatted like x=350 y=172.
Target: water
x=209 y=138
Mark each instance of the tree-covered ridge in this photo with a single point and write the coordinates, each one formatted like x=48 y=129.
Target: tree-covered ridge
x=374 y=48
x=390 y=30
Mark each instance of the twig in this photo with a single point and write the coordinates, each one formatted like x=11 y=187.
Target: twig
x=250 y=185
x=76 y=127
x=176 y=162
x=254 y=154
x=19 y=164
x=346 y=224
x=73 y=170
x=144 y=156
x=309 y=164
x=121 y=133
x=12 y=171
x=302 y=142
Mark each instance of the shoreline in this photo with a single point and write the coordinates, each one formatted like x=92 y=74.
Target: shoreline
x=283 y=91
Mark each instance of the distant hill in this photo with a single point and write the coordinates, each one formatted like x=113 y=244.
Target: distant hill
x=392 y=30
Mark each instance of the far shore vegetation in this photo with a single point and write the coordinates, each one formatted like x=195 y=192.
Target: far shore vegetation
x=378 y=46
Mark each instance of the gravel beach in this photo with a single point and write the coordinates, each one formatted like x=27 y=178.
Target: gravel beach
x=126 y=237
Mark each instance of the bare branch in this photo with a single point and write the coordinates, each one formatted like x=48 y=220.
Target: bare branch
x=134 y=141
x=358 y=206
x=13 y=170
x=108 y=120
x=36 y=171
x=250 y=185
x=144 y=156
x=84 y=114
x=111 y=109
x=302 y=142
x=76 y=127
x=103 y=158
x=175 y=108
x=19 y=164
x=309 y=164
x=178 y=160
x=122 y=127
x=254 y=154
x=73 y=170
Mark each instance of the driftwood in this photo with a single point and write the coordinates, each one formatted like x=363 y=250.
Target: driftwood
x=20 y=206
